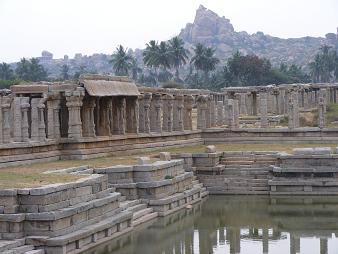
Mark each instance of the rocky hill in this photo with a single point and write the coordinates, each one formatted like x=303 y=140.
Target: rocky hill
x=212 y=30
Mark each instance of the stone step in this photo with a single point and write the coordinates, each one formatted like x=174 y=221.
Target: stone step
x=10 y=244
x=145 y=218
x=19 y=250
x=35 y=252
x=195 y=182
x=142 y=212
x=122 y=199
x=199 y=185
x=204 y=194
x=137 y=208
x=129 y=203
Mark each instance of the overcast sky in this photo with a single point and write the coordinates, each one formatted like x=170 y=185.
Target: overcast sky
x=84 y=26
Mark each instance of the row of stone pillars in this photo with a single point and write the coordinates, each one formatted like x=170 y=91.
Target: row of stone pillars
x=166 y=113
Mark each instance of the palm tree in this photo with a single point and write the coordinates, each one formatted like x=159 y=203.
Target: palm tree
x=122 y=61
x=150 y=54
x=178 y=53
x=210 y=60
x=315 y=69
x=199 y=57
x=64 y=72
x=6 y=72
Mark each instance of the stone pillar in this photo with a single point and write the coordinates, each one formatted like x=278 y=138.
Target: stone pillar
x=122 y=116
x=264 y=110
x=147 y=104
x=6 y=125
x=296 y=109
x=88 y=123
x=17 y=119
x=323 y=94
x=74 y=103
x=254 y=103
x=132 y=117
x=41 y=112
x=229 y=111
x=242 y=104
x=236 y=113
x=35 y=119
x=24 y=112
x=202 y=107
x=212 y=110
x=187 y=115
x=321 y=113
x=178 y=113
x=156 y=114
x=220 y=113
x=291 y=123
x=141 y=113
x=167 y=113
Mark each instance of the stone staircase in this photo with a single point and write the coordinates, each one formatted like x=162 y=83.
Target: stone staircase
x=141 y=212
x=247 y=174
x=18 y=247
x=197 y=183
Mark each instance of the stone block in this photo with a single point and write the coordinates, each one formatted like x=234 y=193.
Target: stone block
x=302 y=151
x=143 y=160
x=322 y=150
x=210 y=149
x=165 y=156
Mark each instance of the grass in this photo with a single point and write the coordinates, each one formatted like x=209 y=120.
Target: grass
x=332 y=115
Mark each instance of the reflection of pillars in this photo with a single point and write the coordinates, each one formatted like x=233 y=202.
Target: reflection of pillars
x=265 y=241
x=294 y=244
x=188 y=241
x=235 y=240
x=205 y=242
x=255 y=232
x=323 y=246
x=221 y=236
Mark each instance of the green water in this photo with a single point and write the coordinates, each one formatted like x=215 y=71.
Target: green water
x=238 y=224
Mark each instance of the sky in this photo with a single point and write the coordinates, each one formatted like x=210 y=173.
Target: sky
x=87 y=27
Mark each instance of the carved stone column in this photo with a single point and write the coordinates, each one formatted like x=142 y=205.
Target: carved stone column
x=264 y=110
x=156 y=120
x=141 y=113
x=167 y=112
x=74 y=104
x=202 y=107
x=229 y=109
x=146 y=103
x=6 y=126
x=220 y=113
x=236 y=113
x=25 y=125
x=212 y=110
x=187 y=116
x=178 y=112
x=321 y=113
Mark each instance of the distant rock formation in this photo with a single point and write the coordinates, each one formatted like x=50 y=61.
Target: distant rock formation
x=212 y=30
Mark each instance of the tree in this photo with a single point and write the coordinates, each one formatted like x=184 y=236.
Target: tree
x=30 y=70
x=178 y=54
x=199 y=57
x=64 y=72
x=150 y=54
x=6 y=72
x=122 y=61
x=204 y=59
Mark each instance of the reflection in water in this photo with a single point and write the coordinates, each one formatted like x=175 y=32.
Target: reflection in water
x=238 y=224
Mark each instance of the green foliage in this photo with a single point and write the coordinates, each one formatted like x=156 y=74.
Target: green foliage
x=122 y=61
x=324 y=68
x=6 y=72
x=30 y=70
x=168 y=177
x=8 y=83
x=65 y=72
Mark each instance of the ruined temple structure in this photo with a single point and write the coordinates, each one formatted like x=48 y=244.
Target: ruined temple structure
x=50 y=121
